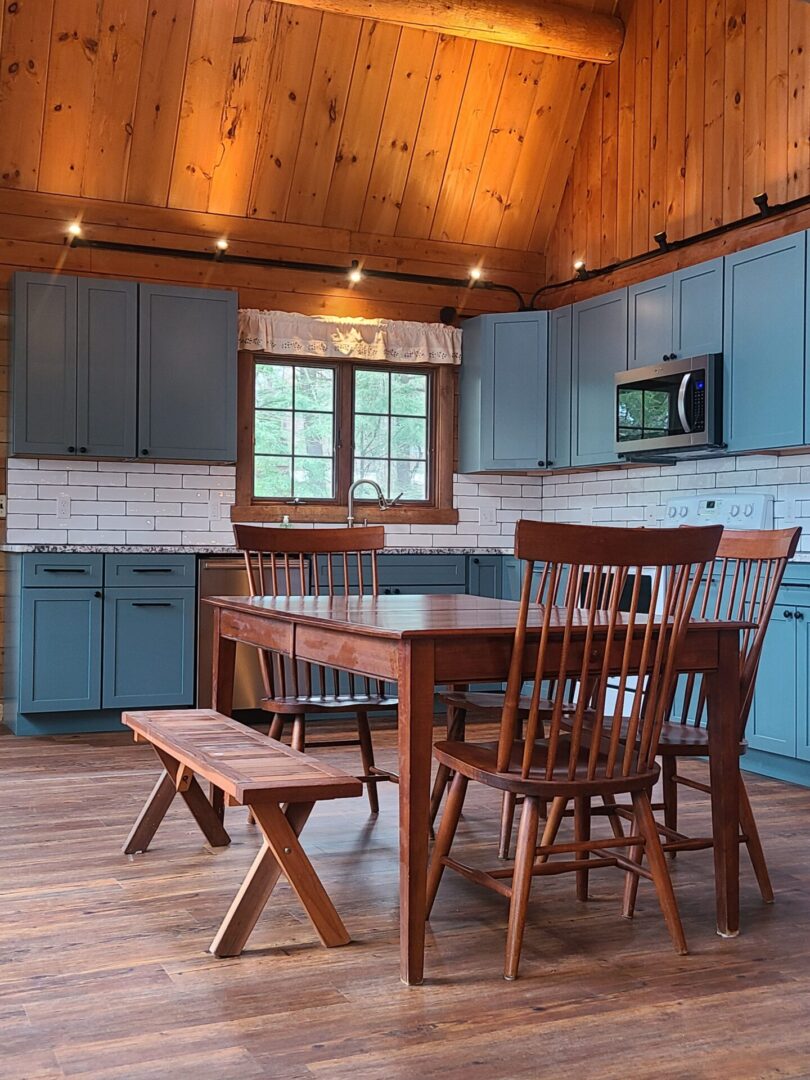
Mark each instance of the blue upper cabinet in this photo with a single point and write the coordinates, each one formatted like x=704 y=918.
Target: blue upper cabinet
x=559 y=387
x=599 y=342
x=503 y=393
x=649 y=314
x=697 y=310
x=107 y=368
x=764 y=347
x=44 y=351
x=187 y=374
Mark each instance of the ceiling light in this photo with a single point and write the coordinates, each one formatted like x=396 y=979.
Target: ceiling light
x=475 y=273
x=581 y=269
x=661 y=239
x=74 y=229
x=222 y=244
x=355 y=274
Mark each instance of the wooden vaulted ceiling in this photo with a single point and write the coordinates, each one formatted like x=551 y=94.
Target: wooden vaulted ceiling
x=268 y=111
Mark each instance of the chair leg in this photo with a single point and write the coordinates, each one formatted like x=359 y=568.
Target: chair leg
x=456 y=731
x=657 y=863
x=444 y=839
x=299 y=734
x=553 y=821
x=614 y=819
x=669 y=772
x=367 y=757
x=582 y=831
x=521 y=884
x=634 y=854
x=276 y=729
x=754 y=845
x=507 y=823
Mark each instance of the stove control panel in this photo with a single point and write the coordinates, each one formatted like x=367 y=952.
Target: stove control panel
x=732 y=510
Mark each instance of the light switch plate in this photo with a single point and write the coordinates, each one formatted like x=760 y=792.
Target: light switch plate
x=2 y=506
x=63 y=506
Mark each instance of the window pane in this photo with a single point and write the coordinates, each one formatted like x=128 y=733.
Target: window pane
x=312 y=478
x=272 y=478
x=408 y=437
x=371 y=436
x=409 y=395
x=313 y=434
x=273 y=433
x=369 y=469
x=314 y=388
x=371 y=391
x=410 y=478
x=274 y=384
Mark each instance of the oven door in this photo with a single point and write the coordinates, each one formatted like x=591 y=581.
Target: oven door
x=667 y=406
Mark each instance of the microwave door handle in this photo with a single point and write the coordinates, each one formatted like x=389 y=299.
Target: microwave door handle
x=684 y=419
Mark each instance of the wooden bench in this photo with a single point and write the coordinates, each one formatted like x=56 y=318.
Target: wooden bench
x=254 y=771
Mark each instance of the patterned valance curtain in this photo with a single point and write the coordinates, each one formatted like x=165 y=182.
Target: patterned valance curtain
x=285 y=333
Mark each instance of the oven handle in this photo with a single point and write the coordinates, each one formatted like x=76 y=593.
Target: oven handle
x=682 y=403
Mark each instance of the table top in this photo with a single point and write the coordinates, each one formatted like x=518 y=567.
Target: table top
x=417 y=615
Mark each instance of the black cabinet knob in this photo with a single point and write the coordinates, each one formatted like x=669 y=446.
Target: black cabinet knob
x=82 y=449
x=476 y=561
x=800 y=616
x=144 y=452
x=71 y=449
x=788 y=614
x=97 y=594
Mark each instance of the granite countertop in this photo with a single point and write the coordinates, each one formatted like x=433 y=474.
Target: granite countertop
x=159 y=549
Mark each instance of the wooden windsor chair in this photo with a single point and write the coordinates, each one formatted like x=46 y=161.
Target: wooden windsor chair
x=317 y=562
x=554 y=762
x=742 y=586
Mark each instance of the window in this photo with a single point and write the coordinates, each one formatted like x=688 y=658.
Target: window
x=309 y=429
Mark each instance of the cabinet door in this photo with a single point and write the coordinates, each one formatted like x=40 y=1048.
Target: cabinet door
x=515 y=393
x=649 y=320
x=764 y=348
x=599 y=351
x=187 y=374
x=107 y=368
x=559 y=388
x=772 y=723
x=60 y=650
x=484 y=577
x=697 y=310
x=44 y=365
x=802 y=617
x=148 y=647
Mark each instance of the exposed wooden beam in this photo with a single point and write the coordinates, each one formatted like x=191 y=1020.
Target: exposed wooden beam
x=540 y=25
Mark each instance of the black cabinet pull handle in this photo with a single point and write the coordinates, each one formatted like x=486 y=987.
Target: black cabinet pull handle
x=152 y=569
x=82 y=449
x=788 y=614
x=64 y=570
x=151 y=603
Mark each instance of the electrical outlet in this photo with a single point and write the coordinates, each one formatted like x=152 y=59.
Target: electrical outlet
x=216 y=503
x=486 y=513
x=2 y=506
x=63 y=506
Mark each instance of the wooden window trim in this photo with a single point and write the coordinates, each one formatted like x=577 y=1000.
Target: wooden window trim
x=438 y=511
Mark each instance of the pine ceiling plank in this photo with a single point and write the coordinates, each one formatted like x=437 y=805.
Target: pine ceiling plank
x=256 y=37
x=400 y=125
x=659 y=104
x=578 y=96
x=198 y=149
x=160 y=91
x=754 y=125
x=641 y=145
x=503 y=147
x=799 y=102
x=776 y=99
x=475 y=118
x=290 y=75
x=68 y=102
x=608 y=84
x=676 y=120
x=713 y=115
x=361 y=125
x=25 y=42
x=437 y=131
x=592 y=139
x=323 y=118
x=695 y=112
x=734 y=109
x=115 y=90
x=543 y=132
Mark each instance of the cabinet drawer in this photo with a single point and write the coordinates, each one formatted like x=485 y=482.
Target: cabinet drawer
x=150 y=571
x=423 y=573
x=62 y=571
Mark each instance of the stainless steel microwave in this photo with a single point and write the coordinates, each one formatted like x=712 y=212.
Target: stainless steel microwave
x=671 y=407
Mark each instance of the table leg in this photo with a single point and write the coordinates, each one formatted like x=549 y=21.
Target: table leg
x=723 y=700
x=222 y=691
x=416 y=690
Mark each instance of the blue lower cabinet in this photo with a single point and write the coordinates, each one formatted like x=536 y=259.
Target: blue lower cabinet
x=148 y=648
x=772 y=723
x=60 y=650
x=485 y=575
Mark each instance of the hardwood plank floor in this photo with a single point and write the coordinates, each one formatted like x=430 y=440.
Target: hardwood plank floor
x=104 y=970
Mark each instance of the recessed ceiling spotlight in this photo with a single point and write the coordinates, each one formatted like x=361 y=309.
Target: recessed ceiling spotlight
x=475 y=273
x=222 y=244
x=355 y=274
x=74 y=229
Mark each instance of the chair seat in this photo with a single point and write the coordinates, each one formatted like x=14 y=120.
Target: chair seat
x=350 y=703
x=478 y=761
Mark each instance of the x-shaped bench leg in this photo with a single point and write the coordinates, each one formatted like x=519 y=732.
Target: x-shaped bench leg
x=161 y=799
x=280 y=853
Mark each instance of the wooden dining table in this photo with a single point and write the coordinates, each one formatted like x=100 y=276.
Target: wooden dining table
x=420 y=642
